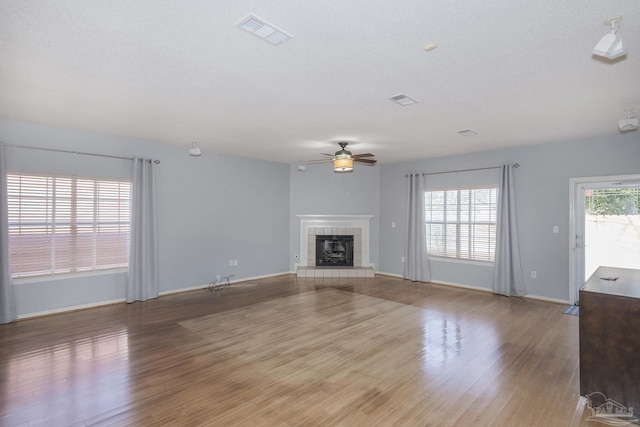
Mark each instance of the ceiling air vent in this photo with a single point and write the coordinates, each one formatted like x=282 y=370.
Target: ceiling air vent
x=403 y=100
x=263 y=30
x=466 y=132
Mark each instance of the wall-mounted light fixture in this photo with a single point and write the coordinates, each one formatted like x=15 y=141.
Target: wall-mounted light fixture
x=195 y=150
x=628 y=123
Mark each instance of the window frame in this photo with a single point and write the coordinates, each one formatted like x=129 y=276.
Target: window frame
x=94 y=192
x=470 y=255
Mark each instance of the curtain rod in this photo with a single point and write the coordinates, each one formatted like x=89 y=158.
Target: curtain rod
x=515 y=165
x=74 y=152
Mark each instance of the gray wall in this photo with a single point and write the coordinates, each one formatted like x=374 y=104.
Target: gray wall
x=542 y=185
x=211 y=209
x=216 y=208
x=320 y=191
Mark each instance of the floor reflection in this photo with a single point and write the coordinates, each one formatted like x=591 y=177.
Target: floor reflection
x=445 y=343
x=68 y=382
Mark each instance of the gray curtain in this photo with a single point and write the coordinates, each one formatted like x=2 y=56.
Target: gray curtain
x=142 y=280
x=416 y=267
x=507 y=271
x=7 y=298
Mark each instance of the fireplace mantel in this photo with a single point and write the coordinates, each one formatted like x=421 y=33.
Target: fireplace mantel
x=357 y=222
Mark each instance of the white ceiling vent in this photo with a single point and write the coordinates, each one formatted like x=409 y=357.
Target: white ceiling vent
x=467 y=132
x=262 y=29
x=403 y=100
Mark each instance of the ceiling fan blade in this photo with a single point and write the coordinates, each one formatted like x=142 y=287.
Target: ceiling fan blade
x=366 y=161
x=363 y=155
x=326 y=154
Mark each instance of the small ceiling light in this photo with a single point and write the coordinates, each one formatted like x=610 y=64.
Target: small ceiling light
x=402 y=99
x=630 y=123
x=431 y=46
x=466 y=132
x=263 y=30
x=195 y=150
x=610 y=45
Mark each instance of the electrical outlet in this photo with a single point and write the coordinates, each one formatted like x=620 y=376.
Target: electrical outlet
x=231 y=262
x=218 y=278
x=235 y=262
x=402 y=259
x=556 y=229
x=534 y=275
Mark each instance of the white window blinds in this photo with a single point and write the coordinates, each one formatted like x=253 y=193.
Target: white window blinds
x=61 y=224
x=461 y=223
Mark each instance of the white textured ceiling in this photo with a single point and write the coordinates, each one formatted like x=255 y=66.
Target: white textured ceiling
x=515 y=72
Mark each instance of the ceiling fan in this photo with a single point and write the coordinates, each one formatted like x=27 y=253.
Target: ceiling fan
x=343 y=159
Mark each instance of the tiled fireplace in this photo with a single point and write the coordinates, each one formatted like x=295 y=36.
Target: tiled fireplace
x=334 y=225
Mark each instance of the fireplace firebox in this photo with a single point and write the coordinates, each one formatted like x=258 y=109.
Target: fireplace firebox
x=334 y=251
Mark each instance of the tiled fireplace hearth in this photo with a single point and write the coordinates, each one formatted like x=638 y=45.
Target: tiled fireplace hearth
x=334 y=225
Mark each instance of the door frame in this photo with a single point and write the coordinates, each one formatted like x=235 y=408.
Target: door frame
x=574 y=183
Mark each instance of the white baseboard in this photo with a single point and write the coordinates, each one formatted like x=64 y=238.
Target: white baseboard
x=481 y=289
x=478 y=288
x=68 y=309
x=547 y=299
x=461 y=285
x=231 y=281
x=266 y=276
x=179 y=291
x=382 y=273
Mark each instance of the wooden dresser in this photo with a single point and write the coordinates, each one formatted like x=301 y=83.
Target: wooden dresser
x=610 y=335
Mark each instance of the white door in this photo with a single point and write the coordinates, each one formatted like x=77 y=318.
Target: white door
x=605 y=226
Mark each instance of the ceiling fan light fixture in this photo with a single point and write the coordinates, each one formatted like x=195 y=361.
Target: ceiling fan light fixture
x=343 y=152
x=343 y=159
x=342 y=164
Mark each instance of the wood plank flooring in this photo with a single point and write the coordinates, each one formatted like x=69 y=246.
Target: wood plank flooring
x=298 y=352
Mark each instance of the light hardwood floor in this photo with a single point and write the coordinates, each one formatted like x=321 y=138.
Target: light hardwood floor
x=298 y=352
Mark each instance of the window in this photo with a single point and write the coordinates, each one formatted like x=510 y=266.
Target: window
x=461 y=223
x=61 y=224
